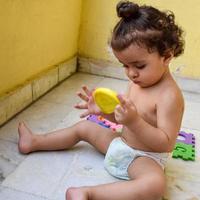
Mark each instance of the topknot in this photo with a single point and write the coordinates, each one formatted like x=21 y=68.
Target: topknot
x=148 y=27
x=128 y=10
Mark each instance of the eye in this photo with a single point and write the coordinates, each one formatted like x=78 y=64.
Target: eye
x=140 y=66
x=125 y=66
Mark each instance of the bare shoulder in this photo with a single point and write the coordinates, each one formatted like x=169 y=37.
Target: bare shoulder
x=171 y=95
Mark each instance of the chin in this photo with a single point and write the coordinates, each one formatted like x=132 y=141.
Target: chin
x=143 y=85
x=139 y=84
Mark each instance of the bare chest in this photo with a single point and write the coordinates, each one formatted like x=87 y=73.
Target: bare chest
x=145 y=103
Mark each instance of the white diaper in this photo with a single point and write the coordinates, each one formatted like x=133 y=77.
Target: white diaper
x=119 y=156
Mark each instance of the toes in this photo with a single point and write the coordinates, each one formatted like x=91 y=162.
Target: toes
x=21 y=124
x=69 y=193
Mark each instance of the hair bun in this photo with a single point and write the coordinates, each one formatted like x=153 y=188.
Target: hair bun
x=128 y=10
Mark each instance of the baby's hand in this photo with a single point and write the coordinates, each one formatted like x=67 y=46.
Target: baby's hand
x=126 y=112
x=88 y=103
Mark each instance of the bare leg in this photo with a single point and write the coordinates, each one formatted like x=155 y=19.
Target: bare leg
x=148 y=182
x=77 y=193
x=84 y=130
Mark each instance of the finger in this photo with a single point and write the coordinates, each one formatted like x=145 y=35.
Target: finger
x=93 y=90
x=129 y=104
x=119 y=109
x=83 y=97
x=125 y=103
x=118 y=116
x=86 y=90
x=122 y=101
x=81 y=106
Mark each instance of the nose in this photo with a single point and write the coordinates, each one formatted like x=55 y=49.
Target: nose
x=133 y=73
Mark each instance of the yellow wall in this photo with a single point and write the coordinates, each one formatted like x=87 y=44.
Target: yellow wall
x=99 y=17
x=37 y=35
x=34 y=36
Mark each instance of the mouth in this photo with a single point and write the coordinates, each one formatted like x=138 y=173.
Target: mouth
x=136 y=81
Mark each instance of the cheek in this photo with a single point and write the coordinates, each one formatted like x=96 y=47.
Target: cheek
x=150 y=74
x=126 y=71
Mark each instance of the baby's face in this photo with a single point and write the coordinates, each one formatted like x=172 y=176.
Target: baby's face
x=142 y=67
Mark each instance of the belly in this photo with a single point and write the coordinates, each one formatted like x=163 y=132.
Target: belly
x=130 y=139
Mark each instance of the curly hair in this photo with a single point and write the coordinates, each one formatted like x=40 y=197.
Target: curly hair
x=148 y=27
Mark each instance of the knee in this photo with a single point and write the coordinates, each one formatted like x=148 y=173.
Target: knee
x=68 y=193
x=159 y=188
x=83 y=129
x=154 y=187
x=71 y=193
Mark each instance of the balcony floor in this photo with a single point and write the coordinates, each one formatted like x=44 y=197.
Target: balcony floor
x=46 y=175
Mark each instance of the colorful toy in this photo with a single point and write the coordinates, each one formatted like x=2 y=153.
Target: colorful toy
x=188 y=138
x=185 y=147
x=105 y=123
x=106 y=99
x=184 y=151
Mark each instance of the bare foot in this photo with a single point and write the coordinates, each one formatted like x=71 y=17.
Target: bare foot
x=76 y=194
x=25 y=143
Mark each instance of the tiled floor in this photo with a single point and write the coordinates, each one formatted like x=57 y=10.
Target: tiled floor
x=46 y=175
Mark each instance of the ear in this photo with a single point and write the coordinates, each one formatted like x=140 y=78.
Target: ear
x=168 y=57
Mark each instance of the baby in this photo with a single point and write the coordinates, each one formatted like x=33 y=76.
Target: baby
x=145 y=40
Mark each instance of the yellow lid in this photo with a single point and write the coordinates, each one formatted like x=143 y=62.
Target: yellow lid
x=106 y=99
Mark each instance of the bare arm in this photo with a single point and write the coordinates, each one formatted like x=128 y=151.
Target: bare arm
x=169 y=115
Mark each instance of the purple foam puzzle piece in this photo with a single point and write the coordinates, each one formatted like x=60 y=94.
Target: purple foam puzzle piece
x=105 y=123
x=188 y=138
x=93 y=118
x=98 y=119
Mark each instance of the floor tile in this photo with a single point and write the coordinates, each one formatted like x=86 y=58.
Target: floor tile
x=50 y=173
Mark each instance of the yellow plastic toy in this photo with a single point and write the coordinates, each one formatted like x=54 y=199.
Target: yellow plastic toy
x=106 y=99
